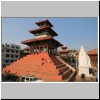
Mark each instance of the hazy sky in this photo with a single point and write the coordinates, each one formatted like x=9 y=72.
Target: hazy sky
x=72 y=32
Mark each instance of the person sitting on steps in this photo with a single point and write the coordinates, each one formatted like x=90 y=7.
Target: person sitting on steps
x=42 y=61
x=48 y=61
x=60 y=72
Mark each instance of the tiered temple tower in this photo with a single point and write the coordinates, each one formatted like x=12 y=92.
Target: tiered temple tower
x=43 y=41
x=63 y=53
x=42 y=46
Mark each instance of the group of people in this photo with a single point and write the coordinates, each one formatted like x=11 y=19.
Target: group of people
x=44 y=60
x=60 y=72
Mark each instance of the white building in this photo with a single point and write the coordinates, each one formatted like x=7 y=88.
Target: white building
x=10 y=53
x=84 y=63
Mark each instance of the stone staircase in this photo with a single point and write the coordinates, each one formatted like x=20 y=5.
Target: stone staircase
x=65 y=63
x=31 y=65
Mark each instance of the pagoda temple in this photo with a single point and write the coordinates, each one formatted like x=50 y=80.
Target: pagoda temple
x=63 y=53
x=43 y=41
x=43 y=46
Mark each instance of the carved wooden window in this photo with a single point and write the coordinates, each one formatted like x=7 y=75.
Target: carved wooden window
x=45 y=48
x=34 y=49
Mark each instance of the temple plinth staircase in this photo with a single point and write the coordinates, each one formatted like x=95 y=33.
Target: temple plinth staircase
x=31 y=65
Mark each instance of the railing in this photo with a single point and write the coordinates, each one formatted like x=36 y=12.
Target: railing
x=58 y=57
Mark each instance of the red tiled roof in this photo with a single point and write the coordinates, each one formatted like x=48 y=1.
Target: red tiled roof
x=41 y=28
x=95 y=51
x=31 y=31
x=38 y=39
x=58 y=42
x=63 y=46
x=46 y=20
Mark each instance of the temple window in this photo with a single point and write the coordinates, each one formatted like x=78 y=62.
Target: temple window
x=34 y=49
x=38 y=49
x=45 y=49
x=41 y=49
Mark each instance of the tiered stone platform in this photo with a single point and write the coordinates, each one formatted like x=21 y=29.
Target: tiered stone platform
x=31 y=65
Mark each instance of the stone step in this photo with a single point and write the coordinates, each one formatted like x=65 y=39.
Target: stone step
x=66 y=74
x=63 y=69
x=65 y=80
x=60 y=66
x=57 y=63
x=31 y=64
x=68 y=79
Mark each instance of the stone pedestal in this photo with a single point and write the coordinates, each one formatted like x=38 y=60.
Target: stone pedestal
x=84 y=70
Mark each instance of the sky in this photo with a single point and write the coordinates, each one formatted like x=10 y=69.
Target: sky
x=72 y=32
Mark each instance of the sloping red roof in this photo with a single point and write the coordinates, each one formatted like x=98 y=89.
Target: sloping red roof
x=36 y=39
x=46 y=20
x=95 y=51
x=41 y=28
x=63 y=46
x=57 y=42
x=39 y=39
